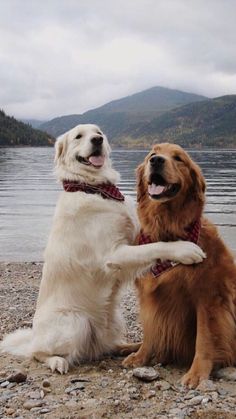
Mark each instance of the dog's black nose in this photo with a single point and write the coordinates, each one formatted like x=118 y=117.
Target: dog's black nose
x=157 y=161
x=97 y=140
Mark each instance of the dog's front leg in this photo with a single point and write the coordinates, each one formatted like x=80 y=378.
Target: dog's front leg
x=203 y=359
x=143 y=256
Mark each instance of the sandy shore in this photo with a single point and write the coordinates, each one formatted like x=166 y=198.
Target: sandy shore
x=97 y=390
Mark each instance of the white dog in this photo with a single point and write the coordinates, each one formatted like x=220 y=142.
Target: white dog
x=89 y=256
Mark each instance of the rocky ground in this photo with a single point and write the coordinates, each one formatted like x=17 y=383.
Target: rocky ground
x=101 y=389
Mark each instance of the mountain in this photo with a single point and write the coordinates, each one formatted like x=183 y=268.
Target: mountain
x=13 y=133
x=210 y=123
x=35 y=123
x=120 y=116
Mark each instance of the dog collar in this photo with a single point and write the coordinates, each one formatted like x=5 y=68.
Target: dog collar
x=192 y=235
x=106 y=190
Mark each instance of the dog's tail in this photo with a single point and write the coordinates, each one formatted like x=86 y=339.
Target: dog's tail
x=18 y=343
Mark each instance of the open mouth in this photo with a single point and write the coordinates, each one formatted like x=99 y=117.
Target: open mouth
x=158 y=188
x=95 y=160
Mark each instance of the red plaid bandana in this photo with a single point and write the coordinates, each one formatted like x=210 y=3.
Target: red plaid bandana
x=192 y=235
x=106 y=190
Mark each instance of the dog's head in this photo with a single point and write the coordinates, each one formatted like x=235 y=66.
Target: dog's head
x=83 y=154
x=169 y=174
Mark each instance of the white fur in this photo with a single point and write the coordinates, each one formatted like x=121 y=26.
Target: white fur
x=89 y=256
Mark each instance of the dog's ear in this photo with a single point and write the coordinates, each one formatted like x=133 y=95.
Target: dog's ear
x=60 y=148
x=198 y=181
x=140 y=181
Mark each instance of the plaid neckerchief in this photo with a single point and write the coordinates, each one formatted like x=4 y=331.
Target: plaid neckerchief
x=106 y=190
x=192 y=235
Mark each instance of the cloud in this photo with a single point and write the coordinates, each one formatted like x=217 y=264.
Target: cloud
x=67 y=56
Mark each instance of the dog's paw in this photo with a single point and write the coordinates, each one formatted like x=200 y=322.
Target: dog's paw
x=186 y=252
x=133 y=361
x=191 y=379
x=57 y=363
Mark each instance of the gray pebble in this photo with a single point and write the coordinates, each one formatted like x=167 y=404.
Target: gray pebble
x=146 y=373
x=34 y=395
x=195 y=401
x=206 y=385
x=4 y=384
x=222 y=391
x=226 y=373
x=78 y=386
x=30 y=404
x=163 y=385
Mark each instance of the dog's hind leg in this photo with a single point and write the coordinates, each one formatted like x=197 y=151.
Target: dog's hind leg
x=55 y=363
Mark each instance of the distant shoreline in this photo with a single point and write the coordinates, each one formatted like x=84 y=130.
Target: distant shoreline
x=128 y=148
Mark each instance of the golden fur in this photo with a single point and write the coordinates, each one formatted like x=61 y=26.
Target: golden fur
x=188 y=313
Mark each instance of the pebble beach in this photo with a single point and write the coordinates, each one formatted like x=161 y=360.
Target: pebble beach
x=103 y=389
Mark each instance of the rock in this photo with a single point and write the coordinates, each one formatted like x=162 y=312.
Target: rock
x=176 y=412
x=7 y=395
x=44 y=410
x=133 y=393
x=90 y=403
x=226 y=373
x=206 y=399
x=206 y=385
x=11 y=385
x=222 y=392
x=46 y=390
x=17 y=377
x=191 y=394
x=30 y=404
x=163 y=385
x=78 y=386
x=78 y=380
x=104 y=383
x=9 y=411
x=151 y=394
x=34 y=395
x=4 y=384
x=195 y=401
x=71 y=404
x=214 y=395
x=46 y=383
x=146 y=373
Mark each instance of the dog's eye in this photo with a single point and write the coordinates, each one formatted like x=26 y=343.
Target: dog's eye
x=177 y=158
x=153 y=154
x=99 y=133
x=78 y=136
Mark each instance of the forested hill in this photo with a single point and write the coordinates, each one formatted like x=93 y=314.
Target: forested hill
x=16 y=133
x=210 y=123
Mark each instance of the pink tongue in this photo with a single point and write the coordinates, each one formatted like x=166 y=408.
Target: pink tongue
x=155 y=189
x=97 y=161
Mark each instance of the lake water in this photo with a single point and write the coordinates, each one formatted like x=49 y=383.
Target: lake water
x=28 y=194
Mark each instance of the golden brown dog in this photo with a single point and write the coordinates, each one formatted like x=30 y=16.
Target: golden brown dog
x=188 y=312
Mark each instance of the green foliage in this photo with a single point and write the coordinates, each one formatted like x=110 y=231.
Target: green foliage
x=16 y=133
x=210 y=123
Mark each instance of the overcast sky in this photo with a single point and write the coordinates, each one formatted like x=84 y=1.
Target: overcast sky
x=60 y=57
